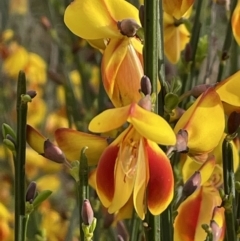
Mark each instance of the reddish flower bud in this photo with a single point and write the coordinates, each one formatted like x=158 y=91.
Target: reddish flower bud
x=31 y=192
x=146 y=86
x=146 y=103
x=87 y=212
x=31 y=93
x=199 y=89
x=192 y=184
x=128 y=27
x=233 y=122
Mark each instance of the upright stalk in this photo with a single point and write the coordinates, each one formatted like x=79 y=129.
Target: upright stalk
x=20 y=159
x=151 y=51
x=227 y=42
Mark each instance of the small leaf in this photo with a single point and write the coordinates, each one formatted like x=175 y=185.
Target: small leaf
x=41 y=197
x=7 y=129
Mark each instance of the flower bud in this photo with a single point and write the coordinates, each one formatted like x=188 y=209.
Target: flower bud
x=31 y=192
x=87 y=212
x=146 y=86
x=199 y=89
x=53 y=153
x=146 y=103
x=192 y=184
x=46 y=23
x=182 y=141
x=233 y=122
x=31 y=93
x=120 y=238
x=128 y=27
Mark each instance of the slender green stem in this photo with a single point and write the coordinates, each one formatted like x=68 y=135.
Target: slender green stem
x=135 y=224
x=83 y=192
x=166 y=225
x=229 y=189
x=227 y=42
x=151 y=52
x=20 y=158
x=151 y=28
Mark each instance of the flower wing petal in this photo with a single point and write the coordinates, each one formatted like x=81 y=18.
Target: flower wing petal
x=71 y=143
x=147 y=123
x=98 y=19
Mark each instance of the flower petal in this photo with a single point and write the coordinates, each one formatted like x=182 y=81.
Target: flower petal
x=71 y=143
x=196 y=210
x=147 y=124
x=160 y=185
x=228 y=89
x=204 y=132
x=109 y=120
x=98 y=19
x=35 y=139
x=206 y=169
x=122 y=71
x=141 y=180
x=105 y=175
x=236 y=22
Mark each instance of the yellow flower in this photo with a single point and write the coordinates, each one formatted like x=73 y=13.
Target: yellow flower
x=176 y=36
x=204 y=132
x=133 y=162
x=177 y=8
x=236 y=22
x=228 y=90
x=198 y=209
x=122 y=56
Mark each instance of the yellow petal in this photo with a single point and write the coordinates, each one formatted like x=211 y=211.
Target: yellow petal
x=141 y=180
x=71 y=143
x=48 y=182
x=204 y=132
x=151 y=126
x=98 y=19
x=35 y=139
x=177 y=8
x=175 y=39
x=228 y=89
x=121 y=71
x=109 y=120
x=191 y=166
x=236 y=23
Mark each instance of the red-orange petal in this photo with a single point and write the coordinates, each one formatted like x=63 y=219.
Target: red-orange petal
x=161 y=182
x=105 y=175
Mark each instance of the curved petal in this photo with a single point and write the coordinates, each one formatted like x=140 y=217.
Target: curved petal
x=228 y=89
x=35 y=139
x=206 y=169
x=109 y=120
x=141 y=181
x=71 y=143
x=98 y=19
x=196 y=210
x=123 y=185
x=161 y=182
x=126 y=211
x=121 y=71
x=204 y=132
x=105 y=175
x=147 y=123
x=236 y=22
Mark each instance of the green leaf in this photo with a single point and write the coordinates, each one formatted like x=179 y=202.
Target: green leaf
x=42 y=196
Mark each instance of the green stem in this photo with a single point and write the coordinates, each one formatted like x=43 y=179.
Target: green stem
x=151 y=52
x=166 y=225
x=229 y=189
x=135 y=224
x=83 y=192
x=20 y=158
x=151 y=28
x=227 y=42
